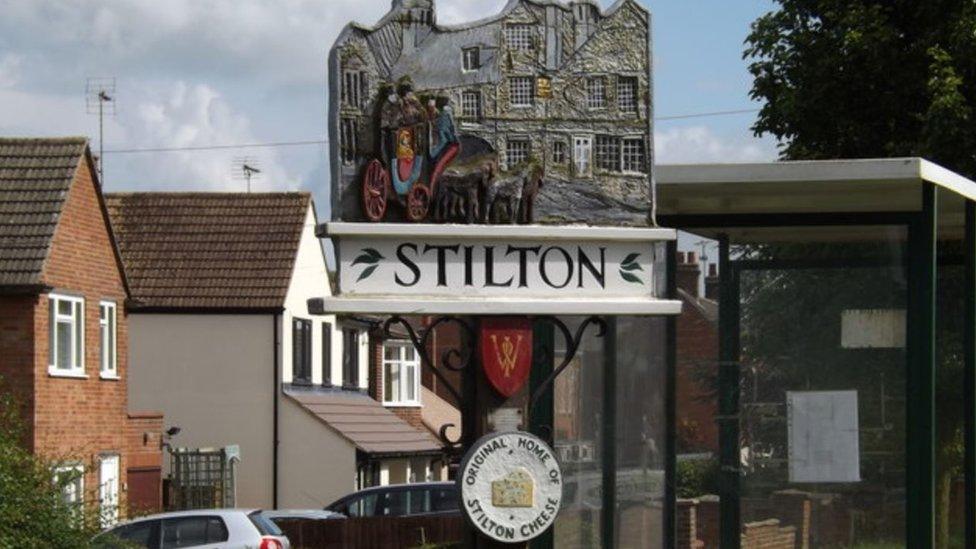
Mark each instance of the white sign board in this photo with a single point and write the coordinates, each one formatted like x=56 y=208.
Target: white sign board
x=511 y=486
x=824 y=442
x=471 y=269
x=873 y=329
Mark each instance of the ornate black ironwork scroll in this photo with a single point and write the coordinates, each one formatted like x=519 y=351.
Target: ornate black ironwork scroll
x=456 y=360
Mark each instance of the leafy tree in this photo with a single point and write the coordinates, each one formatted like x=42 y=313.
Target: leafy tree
x=33 y=512
x=878 y=78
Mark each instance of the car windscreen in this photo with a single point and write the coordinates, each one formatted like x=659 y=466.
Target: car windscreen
x=266 y=526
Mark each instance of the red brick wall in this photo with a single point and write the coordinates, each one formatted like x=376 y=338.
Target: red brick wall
x=143 y=437
x=686 y=536
x=17 y=355
x=768 y=534
x=697 y=403
x=82 y=418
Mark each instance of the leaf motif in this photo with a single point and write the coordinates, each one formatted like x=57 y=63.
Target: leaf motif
x=632 y=267
x=367 y=272
x=629 y=277
x=631 y=258
x=372 y=253
x=364 y=259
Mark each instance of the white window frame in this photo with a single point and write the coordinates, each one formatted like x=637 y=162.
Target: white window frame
x=596 y=93
x=559 y=152
x=627 y=94
x=108 y=353
x=78 y=497
x=518 y=37
x=517 y=92
x=77 y=321
x=524 y=144
x=402 y=381
x=467 y=98
x=470 y=58
x=583 y=163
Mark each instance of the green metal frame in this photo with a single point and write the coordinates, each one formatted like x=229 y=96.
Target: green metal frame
x=920 y=400
x=969 y=392
x=608 y=514
x=728 y=403
x=671 y=401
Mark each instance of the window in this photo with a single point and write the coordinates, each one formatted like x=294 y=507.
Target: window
x=471 y=104
x=608 y=153
x=471 y=58
x=633 y=155
x=521 y=91
x=516 y=152
x=627 y=94
x=326 y=353
x=559 y=152
x=349 y=139
x=519 y=37
x=140 y=534
x=193 y=531
x=107 y=336
x=71 y=480
x=401 y=373
x=355 y=88
x=582 y=154
x=350 y=358
x=596 y=93
x=66 y=335
x=301 y=351
x=364 y=506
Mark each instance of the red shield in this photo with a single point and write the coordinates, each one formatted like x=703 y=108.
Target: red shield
x=506 y=352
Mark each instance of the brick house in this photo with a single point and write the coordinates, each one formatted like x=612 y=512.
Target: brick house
x=63 y=327
x=225 y=346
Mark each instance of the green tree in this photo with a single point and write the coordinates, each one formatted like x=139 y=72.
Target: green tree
x=33 y=513
x=878 y=78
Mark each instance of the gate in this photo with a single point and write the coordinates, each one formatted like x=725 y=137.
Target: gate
x=203 y=478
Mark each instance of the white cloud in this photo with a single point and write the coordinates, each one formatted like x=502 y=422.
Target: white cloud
x=700 y=144
x=181 y=115
x=10 y=66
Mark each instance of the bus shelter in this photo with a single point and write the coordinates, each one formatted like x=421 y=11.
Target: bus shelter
x=844 y=373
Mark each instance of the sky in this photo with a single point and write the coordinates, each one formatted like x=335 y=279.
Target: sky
x=197 y=73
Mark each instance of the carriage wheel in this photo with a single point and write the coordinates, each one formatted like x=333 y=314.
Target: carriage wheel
x=376 y=183
x=418 y=203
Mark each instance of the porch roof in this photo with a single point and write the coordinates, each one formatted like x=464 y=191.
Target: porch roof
x=365 y=422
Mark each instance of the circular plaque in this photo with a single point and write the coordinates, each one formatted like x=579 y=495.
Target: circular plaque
x=511 y=486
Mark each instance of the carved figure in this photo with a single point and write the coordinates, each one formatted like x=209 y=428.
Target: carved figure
x=459 y=194
x=510 y=200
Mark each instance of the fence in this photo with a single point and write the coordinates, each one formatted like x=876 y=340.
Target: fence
x=202 y=478
x=376 y=532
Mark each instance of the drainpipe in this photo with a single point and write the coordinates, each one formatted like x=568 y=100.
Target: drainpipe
x=275 y=396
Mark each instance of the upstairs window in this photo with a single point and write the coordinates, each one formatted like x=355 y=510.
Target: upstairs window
x=326 y=353
x=401 y=374
x=471 y=58
x=349 y=139
x=107 y=332
x=627 y=94
x=471 y=104
x=66 y=335
x=516 y=151
x=350 y=359
x=519 y=37
x=301 y=351
x=521 y=91
x=596 y=93
x=355 y=88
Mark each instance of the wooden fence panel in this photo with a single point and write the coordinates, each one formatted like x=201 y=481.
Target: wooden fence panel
x=376 y=532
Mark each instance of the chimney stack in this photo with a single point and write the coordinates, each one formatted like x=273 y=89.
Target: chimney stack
x=689 y=273
x=712 y=282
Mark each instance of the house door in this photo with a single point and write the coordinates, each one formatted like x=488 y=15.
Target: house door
x=582 y=155
x=108 y=490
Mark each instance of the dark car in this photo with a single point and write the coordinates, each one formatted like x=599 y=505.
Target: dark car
x=400 y=500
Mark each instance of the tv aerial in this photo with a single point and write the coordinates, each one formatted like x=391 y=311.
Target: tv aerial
x=246 y=168
x=100 y=100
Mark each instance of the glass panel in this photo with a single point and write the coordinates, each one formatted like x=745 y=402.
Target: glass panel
x=79 y=319
x=411 y=388
x=52 y=332
x=822 y=402
x=394 y=382
x=113 y=350
x=185 y=532
x=65 y=349
x=65 y=308
x=391 y=352
x=641 y=444
x=578 y=431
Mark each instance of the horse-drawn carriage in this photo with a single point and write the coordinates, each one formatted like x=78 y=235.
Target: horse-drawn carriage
x=432 y=172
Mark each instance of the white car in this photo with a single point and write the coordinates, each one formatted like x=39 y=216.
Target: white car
x=204 y=529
